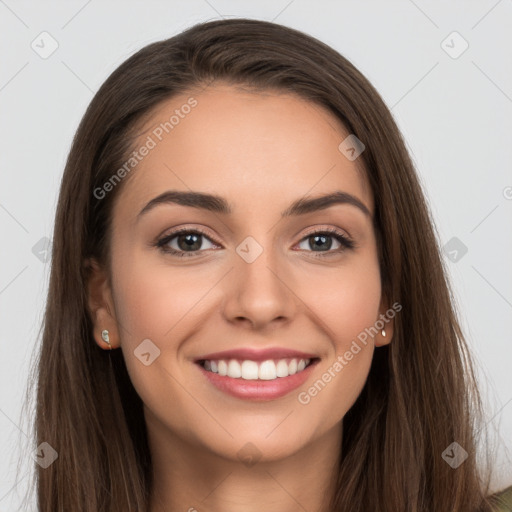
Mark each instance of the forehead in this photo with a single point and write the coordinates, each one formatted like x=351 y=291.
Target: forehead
x=258 y=148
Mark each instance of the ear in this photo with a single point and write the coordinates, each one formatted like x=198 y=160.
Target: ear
x=101 y=304
x=385 y=323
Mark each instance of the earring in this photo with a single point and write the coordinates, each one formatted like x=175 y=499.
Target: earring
x=383 y=333
x=106 y=339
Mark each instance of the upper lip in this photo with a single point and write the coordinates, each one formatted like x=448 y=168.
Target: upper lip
x=253 y=354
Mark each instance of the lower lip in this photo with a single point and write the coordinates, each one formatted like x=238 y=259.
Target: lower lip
x=258 y=389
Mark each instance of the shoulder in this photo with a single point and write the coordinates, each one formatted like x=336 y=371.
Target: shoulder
x=502 y=500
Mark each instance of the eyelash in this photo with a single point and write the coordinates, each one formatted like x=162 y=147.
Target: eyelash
x=346 y=242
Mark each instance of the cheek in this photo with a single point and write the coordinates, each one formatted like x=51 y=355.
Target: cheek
x=337 y=384
x=162 y=303
x=152 y=297
x=345 y=300
x=156 y=302
x=347 y=303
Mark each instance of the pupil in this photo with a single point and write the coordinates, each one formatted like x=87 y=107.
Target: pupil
x=190 y=240
x=323 y=241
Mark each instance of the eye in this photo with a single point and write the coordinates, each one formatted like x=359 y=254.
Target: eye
x=184 y=242
x=190 y=242
x=320 y=240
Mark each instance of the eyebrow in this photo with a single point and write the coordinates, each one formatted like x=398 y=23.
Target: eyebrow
x=218 y=204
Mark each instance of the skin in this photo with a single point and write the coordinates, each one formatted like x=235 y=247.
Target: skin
x=260 y=151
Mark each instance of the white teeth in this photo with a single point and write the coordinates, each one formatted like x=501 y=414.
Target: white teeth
x=252 y=370
x=249 y=370
x=282 y=369
x=223 y=368
x=267 y=370
x=234 y=369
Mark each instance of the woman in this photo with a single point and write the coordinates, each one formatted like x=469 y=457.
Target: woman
x=247 y=307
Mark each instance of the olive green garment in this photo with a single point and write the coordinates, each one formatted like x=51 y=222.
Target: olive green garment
x=504 y=500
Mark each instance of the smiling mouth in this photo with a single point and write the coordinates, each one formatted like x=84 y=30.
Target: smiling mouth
x=271 y=369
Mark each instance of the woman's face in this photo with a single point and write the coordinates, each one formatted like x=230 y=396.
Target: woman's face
x=259 y=283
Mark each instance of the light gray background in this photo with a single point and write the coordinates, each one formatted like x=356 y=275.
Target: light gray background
x=455 y=113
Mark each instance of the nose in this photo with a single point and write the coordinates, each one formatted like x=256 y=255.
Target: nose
x=259 y=294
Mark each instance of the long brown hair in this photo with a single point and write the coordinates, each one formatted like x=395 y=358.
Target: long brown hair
x=421 y=393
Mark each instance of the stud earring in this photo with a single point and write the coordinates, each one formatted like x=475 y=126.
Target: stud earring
x=383 y=333
x=106 y=339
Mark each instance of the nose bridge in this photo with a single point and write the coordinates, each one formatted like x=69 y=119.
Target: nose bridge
x=258 y=292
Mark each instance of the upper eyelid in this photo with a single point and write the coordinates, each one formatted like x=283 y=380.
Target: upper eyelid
x=179 y=231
